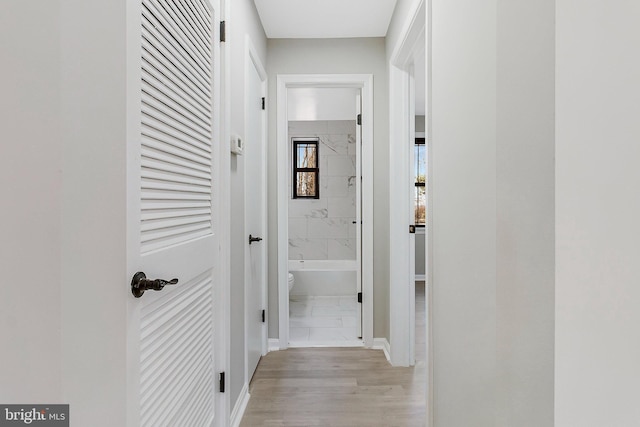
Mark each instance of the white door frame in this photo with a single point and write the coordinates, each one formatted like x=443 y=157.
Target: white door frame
x=252 y=59
x=415 y=37
x=364 y=82
x=401 y=298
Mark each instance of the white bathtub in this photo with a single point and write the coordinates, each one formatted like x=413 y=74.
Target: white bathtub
x=323 y=277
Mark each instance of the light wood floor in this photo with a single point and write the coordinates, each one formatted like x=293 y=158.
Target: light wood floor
x=341 y=387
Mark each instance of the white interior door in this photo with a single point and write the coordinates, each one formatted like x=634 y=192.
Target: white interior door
x=255 y=203
x=359 y=210
x=172 y=187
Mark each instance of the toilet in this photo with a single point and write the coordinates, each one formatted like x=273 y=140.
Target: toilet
x=291 y=281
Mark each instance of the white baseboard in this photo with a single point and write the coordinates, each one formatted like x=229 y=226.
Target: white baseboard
x=421 y=277
x=274 y=344
x=240 y=406
x=382 y=344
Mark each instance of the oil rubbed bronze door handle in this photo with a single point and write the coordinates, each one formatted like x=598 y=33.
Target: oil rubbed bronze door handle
x=140 y=283
x=254 y=239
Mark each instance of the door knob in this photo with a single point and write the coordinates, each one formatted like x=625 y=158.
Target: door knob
x=140 y=283
x=254 y=239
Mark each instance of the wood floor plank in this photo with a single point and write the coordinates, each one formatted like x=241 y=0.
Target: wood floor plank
x=339 y=387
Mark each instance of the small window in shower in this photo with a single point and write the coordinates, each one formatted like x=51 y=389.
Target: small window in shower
x=306 y=172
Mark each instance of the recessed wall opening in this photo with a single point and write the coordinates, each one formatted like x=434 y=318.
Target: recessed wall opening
x=323 y=233
x=326 y=295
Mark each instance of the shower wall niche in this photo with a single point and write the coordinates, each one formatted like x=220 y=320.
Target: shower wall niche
x=324 y=228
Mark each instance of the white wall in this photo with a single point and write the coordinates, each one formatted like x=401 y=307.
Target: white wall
x=243 y=21
x=464 y=212
x=525 y=209
x=597 y=212
x=327 y=56
x=309 y=104
x=94 y=250
x=30 y=173
x=492 y=70
x=324 y=228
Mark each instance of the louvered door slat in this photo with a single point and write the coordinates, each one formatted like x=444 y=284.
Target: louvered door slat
x=167 y=362
x=171 y=196
x=196 y=26
x=158 y=351
x=182 y=21
x=193 y=414
x=172 y=95
x=155 y=64
x=170 y=186
x=165 y=223
x=153 y=32
x=175 y=175
x=156 y=141
x=164 y=94
x=171 y=205
x=197 y=10
x=153 y=214
x=178 y=135
x=165 y=115
x=153 y=163
x=150 y=42
x=171 y=30
x=176 y=331
x=153 y=24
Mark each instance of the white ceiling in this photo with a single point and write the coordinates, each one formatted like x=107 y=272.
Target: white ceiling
x=325 y=18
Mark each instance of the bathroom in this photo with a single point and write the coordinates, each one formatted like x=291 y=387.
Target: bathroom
x=324 y=207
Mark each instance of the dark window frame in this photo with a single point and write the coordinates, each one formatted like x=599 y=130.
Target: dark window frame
x=306 y=141
x=419 y=141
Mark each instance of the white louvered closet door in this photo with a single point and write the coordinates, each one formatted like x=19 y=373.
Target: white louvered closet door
x=173 y=188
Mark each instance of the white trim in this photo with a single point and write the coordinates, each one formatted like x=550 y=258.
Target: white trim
x=274 y=344
x=323 y=265
x=382 y=344
x=402 y=281
x=422 y=277
x=240 y=407
x=365 y=83
x=429 y=225
x=321 y=344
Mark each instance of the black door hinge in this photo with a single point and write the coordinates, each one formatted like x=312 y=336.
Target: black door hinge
x=412 y=229
x=223 y=31
x=222 y=382
x=263 y=102
x=359 y=119
x=264 y=316
x=360 y=297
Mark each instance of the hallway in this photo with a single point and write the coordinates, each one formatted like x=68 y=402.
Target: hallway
x=340 y=386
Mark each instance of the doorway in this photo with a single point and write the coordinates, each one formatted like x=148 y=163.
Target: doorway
x=410 y=59
x=338 y=258
x=324 y=217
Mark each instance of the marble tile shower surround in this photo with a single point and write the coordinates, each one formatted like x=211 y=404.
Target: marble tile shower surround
x=323 y=228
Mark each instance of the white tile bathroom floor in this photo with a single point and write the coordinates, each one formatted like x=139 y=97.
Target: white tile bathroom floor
x=323 y=321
